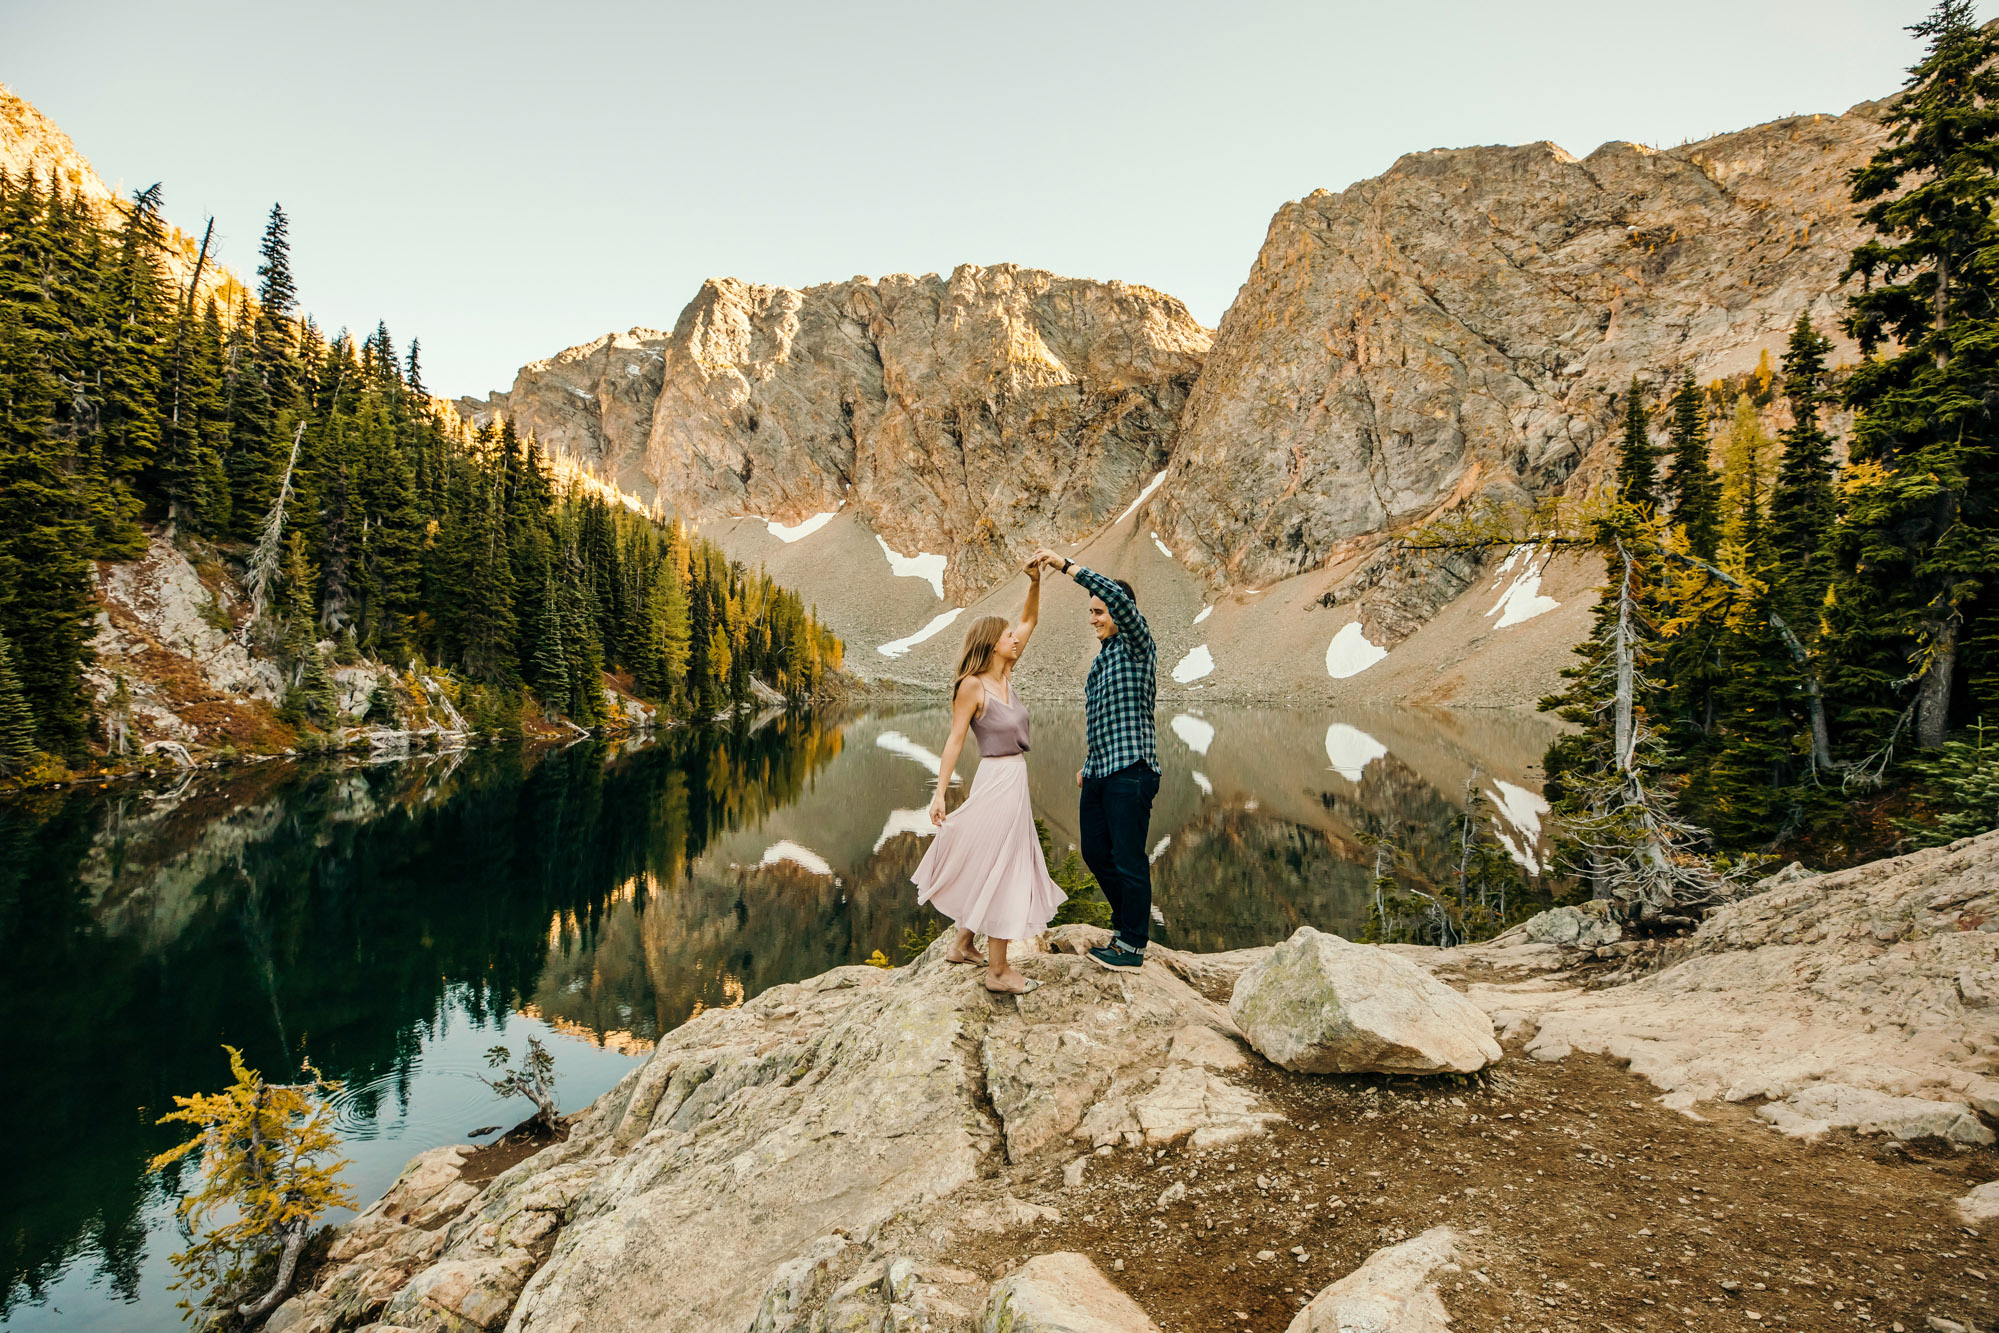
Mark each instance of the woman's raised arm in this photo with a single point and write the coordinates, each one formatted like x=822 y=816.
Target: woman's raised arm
x=1030 y=611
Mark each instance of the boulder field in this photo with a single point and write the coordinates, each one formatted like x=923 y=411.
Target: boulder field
x=900 y=1149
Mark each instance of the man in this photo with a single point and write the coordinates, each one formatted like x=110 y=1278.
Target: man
x=1120 y=775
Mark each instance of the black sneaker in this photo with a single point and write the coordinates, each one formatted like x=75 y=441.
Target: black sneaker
x=1118 y=959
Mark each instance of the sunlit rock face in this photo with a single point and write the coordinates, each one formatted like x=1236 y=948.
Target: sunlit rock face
x=1460 y=325
x=592 y=403
x=977 y=415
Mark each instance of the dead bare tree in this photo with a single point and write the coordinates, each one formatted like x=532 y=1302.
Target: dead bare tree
x=264 y=560
x=1634 y=849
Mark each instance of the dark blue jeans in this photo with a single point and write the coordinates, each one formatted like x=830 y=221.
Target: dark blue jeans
x=1116 y=810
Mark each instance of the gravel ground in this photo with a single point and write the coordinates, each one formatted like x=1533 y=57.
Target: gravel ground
x=1588 y=1206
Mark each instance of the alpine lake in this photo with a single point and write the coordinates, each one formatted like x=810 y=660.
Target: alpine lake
x=390 y=921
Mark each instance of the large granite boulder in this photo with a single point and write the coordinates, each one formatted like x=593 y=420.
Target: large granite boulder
x=1583 y=927
x=1061 y=1293
x=1320 y=1004
x=1395 y=1291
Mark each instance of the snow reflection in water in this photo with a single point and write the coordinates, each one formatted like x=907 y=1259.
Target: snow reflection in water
x=393 y=921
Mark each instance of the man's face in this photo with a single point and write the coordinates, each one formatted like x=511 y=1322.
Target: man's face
x=1101 y=623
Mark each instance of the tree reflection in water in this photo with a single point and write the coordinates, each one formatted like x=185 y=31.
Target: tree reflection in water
x=370 y=915
x=330 y=910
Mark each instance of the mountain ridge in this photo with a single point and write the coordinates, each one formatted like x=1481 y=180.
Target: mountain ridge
x=1457 y=328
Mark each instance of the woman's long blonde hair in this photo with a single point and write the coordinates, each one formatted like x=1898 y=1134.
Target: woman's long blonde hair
x=981 y=637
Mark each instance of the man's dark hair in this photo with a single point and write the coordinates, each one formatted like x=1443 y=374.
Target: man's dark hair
x=1127 y=590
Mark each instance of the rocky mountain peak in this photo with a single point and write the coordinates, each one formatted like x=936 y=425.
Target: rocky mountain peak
x=1461 y=324
x=976 y=415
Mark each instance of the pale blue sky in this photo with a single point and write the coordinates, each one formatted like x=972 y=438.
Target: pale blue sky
x=504 y=180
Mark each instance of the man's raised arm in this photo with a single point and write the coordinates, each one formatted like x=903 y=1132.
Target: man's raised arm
x=1124 y=611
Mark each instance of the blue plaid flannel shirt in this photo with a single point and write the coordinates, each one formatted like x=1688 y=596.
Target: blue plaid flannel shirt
x=1118 y=697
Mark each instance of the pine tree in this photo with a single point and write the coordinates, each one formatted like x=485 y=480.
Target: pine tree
x=1927 y=321
x=670 y=641
x=1691 y=481
x=584 y=654
x=277 y=294
x=300 y=605
x=17 y=719
x=135 y=313
x=1743 y=793
x=251 y=461
x=1745 y=471
x=1802 y=504
x=1637 y=457
x=413 y=374
x=549 y=671
x=488 y=624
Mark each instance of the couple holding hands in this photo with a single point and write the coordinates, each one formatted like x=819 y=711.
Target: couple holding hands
x=985 y=870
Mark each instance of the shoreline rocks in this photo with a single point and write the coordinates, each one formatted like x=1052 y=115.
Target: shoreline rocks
x=797 y=1164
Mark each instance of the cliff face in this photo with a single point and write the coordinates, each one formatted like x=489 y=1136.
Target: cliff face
x=975 y=416
x=592 y=404
x=1461 y=323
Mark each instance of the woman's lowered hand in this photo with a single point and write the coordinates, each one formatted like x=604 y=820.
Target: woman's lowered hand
x=937 y=809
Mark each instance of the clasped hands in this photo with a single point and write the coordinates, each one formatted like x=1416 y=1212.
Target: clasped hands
x=1043 y=559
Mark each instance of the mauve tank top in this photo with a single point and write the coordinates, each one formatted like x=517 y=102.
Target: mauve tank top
x=1001 y=725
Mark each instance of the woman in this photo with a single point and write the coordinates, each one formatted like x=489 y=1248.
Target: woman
x=985 y=870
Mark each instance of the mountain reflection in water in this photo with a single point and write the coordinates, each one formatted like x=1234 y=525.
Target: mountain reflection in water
x=389 y=921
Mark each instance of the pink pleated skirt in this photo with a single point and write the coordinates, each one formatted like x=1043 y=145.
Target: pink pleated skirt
x=984 y=870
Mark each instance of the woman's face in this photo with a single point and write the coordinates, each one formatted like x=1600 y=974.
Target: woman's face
x=1008 y=647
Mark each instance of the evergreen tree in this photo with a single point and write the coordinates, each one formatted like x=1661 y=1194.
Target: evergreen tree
x=1637 y=457
x=17 y=719
x=397 y=532
x=1742 y=789
x=1802 y=503
x=1691 y=481
x=549 y=672
x=1922 y=531
x=135 y=314
x=277 y=294
x=669 y=634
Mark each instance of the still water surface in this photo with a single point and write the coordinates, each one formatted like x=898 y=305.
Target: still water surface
x=390 y=922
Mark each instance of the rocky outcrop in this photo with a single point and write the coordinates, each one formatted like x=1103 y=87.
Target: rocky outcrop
x=974 y=416
x=823 y=1158
x=1321 y=1005
x=1864 y=999
x=1589 y=926
x=1457 y=327
x=733 y=1180
x=1981 y=1205
x=1452 y=330
x=169 y=634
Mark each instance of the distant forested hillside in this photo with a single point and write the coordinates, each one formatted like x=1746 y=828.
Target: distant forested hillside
x=360 y=509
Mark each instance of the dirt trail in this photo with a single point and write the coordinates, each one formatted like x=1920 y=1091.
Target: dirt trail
x=1590 y=1207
